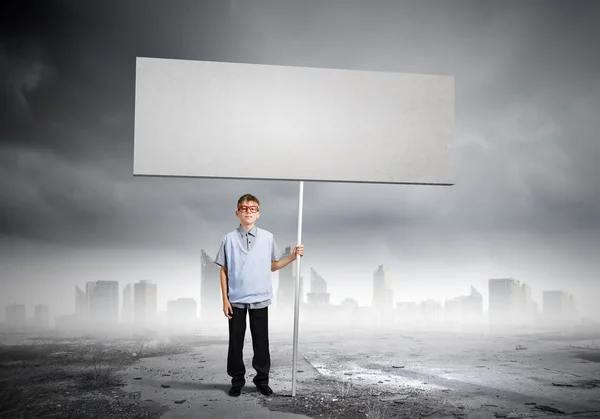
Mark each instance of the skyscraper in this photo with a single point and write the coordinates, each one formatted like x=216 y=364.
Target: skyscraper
x=211 y=299
x=89 y=291
x=474 y=303
x=318 y=295
x=558 y=307
x=527 y=307
x=287 y=280
x=127 y=307
x=505 y=297
x=145 y=303
x=104 y=303
x=81 y=305
x=382 y=290
x=464 y=308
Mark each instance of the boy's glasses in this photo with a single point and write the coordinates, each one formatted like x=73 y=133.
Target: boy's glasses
x=248 y=208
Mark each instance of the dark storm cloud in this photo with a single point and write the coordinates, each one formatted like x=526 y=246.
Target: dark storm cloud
x=63 y=202
x=526 y=91
x=526 y=78
x=70 y=70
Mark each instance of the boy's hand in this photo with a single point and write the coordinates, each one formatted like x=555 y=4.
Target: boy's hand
x=298 y=251
x=227 y=309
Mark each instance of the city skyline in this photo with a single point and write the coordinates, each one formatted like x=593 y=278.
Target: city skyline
x=106 y=302
x=213 y=305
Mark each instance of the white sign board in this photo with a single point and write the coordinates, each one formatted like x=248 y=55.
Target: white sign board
x=247 y=121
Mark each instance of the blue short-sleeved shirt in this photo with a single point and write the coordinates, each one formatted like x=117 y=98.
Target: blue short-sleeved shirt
x=247 y=238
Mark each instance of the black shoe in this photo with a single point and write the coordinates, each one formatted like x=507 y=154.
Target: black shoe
x=264 y=389
x=235 y=391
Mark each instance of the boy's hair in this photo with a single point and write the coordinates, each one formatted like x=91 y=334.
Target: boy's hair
x=248 y=197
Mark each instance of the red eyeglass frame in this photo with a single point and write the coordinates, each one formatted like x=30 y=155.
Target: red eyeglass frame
x=249 y=207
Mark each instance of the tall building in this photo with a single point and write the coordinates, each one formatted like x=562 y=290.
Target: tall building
x=383 y=297
x=318 y=295
x=182 y=311
x=465 y=308
x=41 y=316
x=16 y=315
x=104 y=303
x=430 y=311
x=210 y=289
x=349 y=304
x=527 y=307
x=127 y=306
x=287 y=280
x=473 y=304
x=89 y=291
x=81 y=305
x=558 y=307
x=145 y=303
x=510 y=302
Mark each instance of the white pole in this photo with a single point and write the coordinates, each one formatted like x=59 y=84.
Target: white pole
x=297 y=291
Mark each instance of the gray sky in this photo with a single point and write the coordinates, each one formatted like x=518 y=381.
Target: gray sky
x=526 y=203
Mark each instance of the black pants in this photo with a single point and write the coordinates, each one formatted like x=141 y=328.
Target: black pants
x=261 y=362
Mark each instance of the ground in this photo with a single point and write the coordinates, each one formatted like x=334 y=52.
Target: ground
x=373 y=374
x=413 y=374
x=74 y=378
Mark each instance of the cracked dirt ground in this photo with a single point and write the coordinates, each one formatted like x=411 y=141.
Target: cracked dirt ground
x=383 y=374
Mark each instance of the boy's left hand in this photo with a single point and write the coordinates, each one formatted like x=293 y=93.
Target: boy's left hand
x=298 y=250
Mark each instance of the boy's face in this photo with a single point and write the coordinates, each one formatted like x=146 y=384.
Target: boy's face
x=248 y=212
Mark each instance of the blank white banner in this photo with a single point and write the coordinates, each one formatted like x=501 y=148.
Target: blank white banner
x=248 y=121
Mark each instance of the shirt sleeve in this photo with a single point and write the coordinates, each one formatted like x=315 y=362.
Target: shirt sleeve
x=220 y=258
x=275 y=253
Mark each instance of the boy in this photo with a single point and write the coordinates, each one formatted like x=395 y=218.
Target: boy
x=247 y=257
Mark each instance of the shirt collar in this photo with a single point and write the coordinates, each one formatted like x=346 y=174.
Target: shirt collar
x=243 y=231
